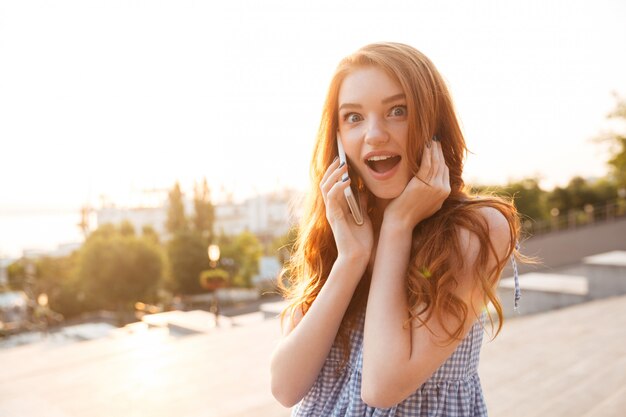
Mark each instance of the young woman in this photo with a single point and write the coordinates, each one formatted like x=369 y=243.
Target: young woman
x=386 y=318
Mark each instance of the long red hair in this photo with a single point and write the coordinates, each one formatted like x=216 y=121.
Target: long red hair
x=436 y=256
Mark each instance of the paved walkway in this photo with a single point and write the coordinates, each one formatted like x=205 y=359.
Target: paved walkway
x=569 y=362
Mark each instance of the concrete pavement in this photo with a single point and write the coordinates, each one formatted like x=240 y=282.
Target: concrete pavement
x=568 y=362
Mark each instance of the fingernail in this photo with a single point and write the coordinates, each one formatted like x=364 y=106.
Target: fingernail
x=341 y=164
x=345 y=179
x=335 y=158
x=435 y=138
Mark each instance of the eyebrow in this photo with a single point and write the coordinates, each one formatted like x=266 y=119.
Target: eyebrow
x=393 y=98
x=384 y=101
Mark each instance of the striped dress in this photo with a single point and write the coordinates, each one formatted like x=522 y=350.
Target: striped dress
x=454 y=390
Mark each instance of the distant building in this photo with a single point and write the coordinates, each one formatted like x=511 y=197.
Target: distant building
x=267 y=215
x=64 y=249
x=138 y=217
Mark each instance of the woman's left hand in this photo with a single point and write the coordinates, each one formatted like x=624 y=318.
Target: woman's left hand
x=425 y=193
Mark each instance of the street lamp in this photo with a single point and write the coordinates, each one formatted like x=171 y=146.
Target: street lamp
x=214 y=257
x=42 y=311
x=42 y=300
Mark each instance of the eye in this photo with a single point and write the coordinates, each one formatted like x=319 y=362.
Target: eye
x=352 y=117
x=398 y=111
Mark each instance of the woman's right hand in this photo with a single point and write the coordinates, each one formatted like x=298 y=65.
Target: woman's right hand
x=354 y=242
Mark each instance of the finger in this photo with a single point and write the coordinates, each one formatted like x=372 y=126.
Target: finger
x=333 y=166
x=446 y=177
x=425 y=166
x=334 y=177
x=436 y=161
x=336 y=204
x=336 y=190
x=441 y=163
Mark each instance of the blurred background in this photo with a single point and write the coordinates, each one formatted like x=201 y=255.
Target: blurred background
x=155 y=155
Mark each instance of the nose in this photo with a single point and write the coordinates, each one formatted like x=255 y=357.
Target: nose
x=376 y=133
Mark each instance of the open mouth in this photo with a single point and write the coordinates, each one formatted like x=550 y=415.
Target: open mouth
x=383 y=163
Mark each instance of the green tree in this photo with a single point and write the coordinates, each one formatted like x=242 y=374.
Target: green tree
x=106 y=231
x=187 y=255
x=16 y=272
x=204 y=212
x=54 y=276
x=150 y=234
x=617 y=142
x=240 y=256
x=116 y=270
x=605 y=189
x=529 y=198
x=580 y=192
x=176 y=219
x=126 y=228
x=57 y=277
x=560 y=199
x=187 y=247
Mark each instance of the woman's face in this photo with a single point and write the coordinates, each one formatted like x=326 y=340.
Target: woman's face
x=373 y=127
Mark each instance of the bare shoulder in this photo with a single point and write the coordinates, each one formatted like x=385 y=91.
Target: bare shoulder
x=499 y=234
x=495 y=220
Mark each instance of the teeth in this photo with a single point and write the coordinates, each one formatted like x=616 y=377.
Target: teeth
x=379 y=157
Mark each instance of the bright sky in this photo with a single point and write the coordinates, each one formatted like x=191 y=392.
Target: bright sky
x=115 y=97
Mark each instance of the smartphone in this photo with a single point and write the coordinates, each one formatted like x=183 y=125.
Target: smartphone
x=352 y=197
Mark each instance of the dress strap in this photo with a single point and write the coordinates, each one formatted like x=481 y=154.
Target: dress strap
x=518 y=292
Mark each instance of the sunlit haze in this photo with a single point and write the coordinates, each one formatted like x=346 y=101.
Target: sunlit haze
x=106 y=100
